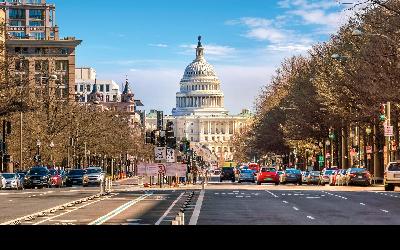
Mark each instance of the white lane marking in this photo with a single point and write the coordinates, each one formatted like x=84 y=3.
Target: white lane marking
x=310 y=217
x=385 y=211
x=70 y=211
x=272 y=194
x=216 y=193
x=196 y=213
x=285 y=202
x=248 y=196
x=236 y=191
x=295 y=208
x=362 y=204
x=289 y=194
x=169 y=210
x=239 y=196
x=309 y=197
x=231 y=194
x=296 y=194
x=10 y=200
x=117 y=211
x=283 y=194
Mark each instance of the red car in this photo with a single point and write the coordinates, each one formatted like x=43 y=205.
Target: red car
x=56 y=179
x=268 y=175
x=255 y=167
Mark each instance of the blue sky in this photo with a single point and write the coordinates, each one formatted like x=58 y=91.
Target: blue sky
x=153 y=41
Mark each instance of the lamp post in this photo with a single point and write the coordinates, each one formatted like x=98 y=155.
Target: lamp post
x=368 y=132
x=327 y=143
x=51 y=153
x=38 y=144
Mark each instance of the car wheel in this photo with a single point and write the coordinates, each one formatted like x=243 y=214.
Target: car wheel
x=300 y=183
x=276 y=183
x=239 y=182
x=258 y=183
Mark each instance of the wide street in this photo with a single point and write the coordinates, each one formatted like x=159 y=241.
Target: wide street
x=218 y=204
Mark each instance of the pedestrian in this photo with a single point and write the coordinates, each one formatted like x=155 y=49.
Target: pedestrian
x=195 y=176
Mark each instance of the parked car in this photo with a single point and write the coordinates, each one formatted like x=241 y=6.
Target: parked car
x=246 y=175
x=314 y=177
x=217 y=172
x=291 y=176
x=255 y=167
x=326 y=175
x=57 y=178
x=358 y=176
x=77 y=177
x=2 y=182
x=227 y=174
x=338 y=178
x=11 y=181
x=95 y=175
x=37 y=177
x=268 y=175
x=304 y=175
x=392 y=176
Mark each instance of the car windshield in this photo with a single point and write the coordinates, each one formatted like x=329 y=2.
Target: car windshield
x=264 y=170
x=293 y=171
x=76 y=172
x=93 y=171
x=357 y=170
x=315 y=173
x=246 y=171
x=329 y=172
x=228 y=170
x=21 y=175
x=38 y=171
x=394 y=167
x=9 y=176
x=53 y=172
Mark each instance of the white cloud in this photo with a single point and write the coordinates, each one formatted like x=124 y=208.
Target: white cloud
x=308 y=4
x=267 y=34
x=160 y=45
x=289 y=47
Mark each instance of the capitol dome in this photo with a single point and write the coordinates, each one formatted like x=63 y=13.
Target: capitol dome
x=199 y=67
x=200 y=89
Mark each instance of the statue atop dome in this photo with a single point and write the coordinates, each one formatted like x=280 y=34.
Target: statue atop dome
x=199 y=44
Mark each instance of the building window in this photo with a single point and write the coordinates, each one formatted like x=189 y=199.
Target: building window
x=192 y=139
x=192 y=131
x=206 y=138
x=102 y=88
x=108 y=88
x=42 y=65
x=81 y=88
x=88 y=88
x=36 y=14
x=61 y=65
x=17 y=14
x=107 y=98
x=114 y=98
x=231 y=149
x=76 y=88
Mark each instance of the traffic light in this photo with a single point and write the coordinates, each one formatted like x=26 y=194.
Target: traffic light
x=153 y=137
x=160 y=120
x=149 y=138
x=170 y=135
x=382 y=116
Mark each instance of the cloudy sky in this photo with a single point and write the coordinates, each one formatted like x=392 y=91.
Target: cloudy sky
x=153 y=41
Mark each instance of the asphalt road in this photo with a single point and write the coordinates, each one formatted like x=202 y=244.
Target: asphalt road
x=218 y=204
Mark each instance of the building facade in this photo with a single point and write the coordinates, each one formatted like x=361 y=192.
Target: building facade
x=2 y=44
x=84 y=84
x=35 y=51
x=200 y=115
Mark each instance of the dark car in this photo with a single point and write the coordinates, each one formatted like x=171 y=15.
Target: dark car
x=227 y=174
x=37 y=177
x=357 y=176
x=292 y=176
x=77 y=177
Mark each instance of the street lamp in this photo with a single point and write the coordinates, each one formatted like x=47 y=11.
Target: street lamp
x=38 y=144
x=51 y=153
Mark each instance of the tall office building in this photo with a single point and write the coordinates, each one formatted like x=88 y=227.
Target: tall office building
x=35 y=52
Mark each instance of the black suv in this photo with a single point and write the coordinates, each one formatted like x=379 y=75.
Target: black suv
x=78 y=177
x=227 y=174
x=37 y=177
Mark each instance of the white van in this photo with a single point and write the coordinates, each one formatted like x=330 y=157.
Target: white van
x=392 y=176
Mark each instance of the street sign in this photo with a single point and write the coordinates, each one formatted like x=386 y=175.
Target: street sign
x=162 y=169
x=170 y=155
x=389 y=131
x=328 y=155
x=320 y=158
x=160 y=154
x=369 y=149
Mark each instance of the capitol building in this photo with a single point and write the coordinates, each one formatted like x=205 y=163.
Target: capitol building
x=200 y=115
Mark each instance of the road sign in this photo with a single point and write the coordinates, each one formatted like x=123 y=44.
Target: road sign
x=389 y=131
x=369 y=149
x=328 y=155
x=170 y=155
x=162 y=169
x=320 y=158
x=160 y=153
